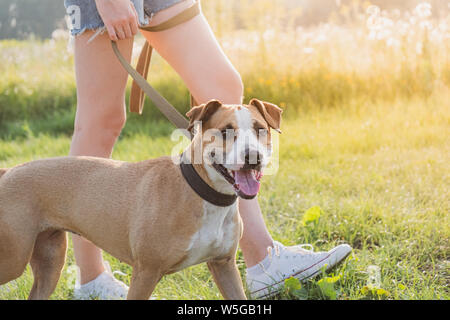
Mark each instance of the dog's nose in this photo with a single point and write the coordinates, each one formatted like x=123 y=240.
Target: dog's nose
x=252 y=157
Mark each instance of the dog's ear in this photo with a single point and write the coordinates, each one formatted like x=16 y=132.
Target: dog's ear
x=202 y=112
x=270 y=112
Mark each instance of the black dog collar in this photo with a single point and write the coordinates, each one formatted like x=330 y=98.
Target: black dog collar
x=202 y=188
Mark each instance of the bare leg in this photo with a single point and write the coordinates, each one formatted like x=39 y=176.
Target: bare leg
x=100 y=117
x=193 y=51
x=255 y=238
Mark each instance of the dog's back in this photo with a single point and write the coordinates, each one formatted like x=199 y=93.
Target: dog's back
x=2 y=172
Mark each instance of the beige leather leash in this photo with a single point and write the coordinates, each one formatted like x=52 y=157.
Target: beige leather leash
x=139 y=75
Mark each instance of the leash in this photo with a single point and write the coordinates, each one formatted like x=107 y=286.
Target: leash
x=140 y=87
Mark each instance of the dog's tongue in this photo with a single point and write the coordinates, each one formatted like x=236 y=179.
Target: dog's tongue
x=247 y=182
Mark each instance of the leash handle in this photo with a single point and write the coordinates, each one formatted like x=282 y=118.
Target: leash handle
x=137 y=96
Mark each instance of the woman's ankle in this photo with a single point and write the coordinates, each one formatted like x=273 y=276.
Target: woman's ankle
x=91 y=273
x=254 y=254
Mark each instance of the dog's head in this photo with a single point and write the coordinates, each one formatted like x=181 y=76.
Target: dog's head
x=235 y=140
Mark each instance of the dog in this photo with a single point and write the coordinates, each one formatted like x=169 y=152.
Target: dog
x=145 y=214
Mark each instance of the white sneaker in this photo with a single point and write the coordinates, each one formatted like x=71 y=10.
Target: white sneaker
x=267 y=278
x=104 y=287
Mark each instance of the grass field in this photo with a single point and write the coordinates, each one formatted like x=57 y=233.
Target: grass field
x=364 y=157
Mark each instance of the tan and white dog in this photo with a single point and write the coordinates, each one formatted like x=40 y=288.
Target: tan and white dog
x=143 y=213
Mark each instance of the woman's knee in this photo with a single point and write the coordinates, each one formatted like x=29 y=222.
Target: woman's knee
x=235 y=84
x=101 y=127
x=225 y=86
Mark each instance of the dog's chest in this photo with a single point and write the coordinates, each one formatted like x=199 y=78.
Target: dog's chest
x=216 y=236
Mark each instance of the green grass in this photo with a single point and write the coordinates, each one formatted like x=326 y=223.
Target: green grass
x=379 y=173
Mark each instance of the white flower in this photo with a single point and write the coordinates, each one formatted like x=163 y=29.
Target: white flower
x=423 y=10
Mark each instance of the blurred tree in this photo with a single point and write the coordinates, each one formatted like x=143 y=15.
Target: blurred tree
x=20 y=18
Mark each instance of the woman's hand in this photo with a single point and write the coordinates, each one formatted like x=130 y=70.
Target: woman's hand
x=120 y=18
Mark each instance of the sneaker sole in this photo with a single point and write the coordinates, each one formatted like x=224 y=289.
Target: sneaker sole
x=338 y=254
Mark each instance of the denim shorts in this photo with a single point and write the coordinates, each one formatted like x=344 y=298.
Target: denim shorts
x=84 y=15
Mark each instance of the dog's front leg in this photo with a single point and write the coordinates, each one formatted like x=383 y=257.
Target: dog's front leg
x=227 y=277
x=143 y=282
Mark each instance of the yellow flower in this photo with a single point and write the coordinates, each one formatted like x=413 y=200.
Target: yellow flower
x=382 y=292
x=311 y=215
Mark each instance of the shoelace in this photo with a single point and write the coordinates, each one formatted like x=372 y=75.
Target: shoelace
x=279 y=248
x=114 y=280
x=108 y=268
x=301 y=247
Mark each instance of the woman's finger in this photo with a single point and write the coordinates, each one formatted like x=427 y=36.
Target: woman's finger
x=134 y=27
x=135 y=23
x=127 y=30
x=120 y=32
x=111 y=32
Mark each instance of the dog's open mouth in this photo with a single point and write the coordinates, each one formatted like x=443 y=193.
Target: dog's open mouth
x=244 y=181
